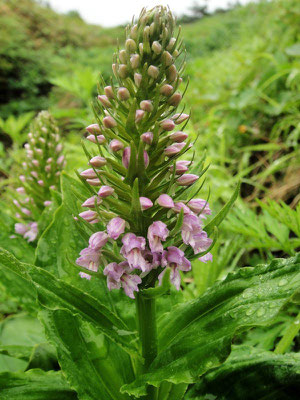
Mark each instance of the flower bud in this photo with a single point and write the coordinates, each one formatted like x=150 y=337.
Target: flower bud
x=93 y=182
x=174 y=149
x=146 y=105
x=104 y=101
x=22 y=178
x=21 y=190
x=156 y=47
x=152 y=28
x=180 y=167
x=179 y=118
x=47 y=203
x=139 y=115
x=145 y=203
x=134 y=32
x=88 y=174
x=179 y=206
x=98 y=240
x=105 y=191
x=58 y=148
x=35 y=163
x=147 y=137
x=166 y=90
x=108 y=90
x=178 y=136
x=199 y=205
x=135 y=61
x=171 y=44
x=167 y=59
x=123 y=71
x=90 y=202
x=116 y=227
x=141 y=48
x=165 y=201
x=123 y=94
x=41 y=182
x=98 y=161
x=116 y=145
x=130 y=46
x=153 y=72
x=34 y=174
x=123 y=56
x=88 y=215
x=96 y=139
x=109 y=122
x=175 y=99
x=60 y=159
x=137 y=79
x=167 y=125
x=114 y=68
x=172 y=73
x=187 y=179
x=39 y=152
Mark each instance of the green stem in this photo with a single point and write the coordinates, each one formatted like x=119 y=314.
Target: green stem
x=288 y=337
x=146 y=318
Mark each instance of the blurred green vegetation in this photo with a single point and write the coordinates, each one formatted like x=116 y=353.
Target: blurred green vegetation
x=243 y=67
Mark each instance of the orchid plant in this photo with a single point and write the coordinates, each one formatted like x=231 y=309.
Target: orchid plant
x=106 y=282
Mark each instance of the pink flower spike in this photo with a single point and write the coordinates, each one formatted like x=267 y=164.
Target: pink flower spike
x=165 y=201
x=178 y=136
x=145 y=203
x=167 y=125
x=98 y=240
x=105 y=191
x=94 y=129
x=98 y=161
x=94 y=182
x=116 y=227
x=157 y=232
x=174 y=149
x=88 y=174
x=178 y=206
x=90 y=202
x=116 y=145
x=100 y=139
x=147 y=137
x=187 y=179
x=88 y=215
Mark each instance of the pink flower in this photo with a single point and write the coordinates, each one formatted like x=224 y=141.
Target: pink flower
x=178 y=206
x=145 y=203
x=98 y=240
x=88 y=174
x=175 y=260
x=132 y=250
x=147 y=137
x=118 y=275
x=174 y=149
x=199 y=205
x=165 y=201
x=116 y=227
x=21 y=229
x=201 y=242
x=178 y=136
x=105 y=191
x=116 y=145
x=191 y=226
x=94 y=128
x=180 y=167
x=96 y=139
x=206 y=257
x=187 y=179
x=90 y=259
x=157 y=232
x=167 y=125
x=90 y=202
x=88 y=215
x=98 y=161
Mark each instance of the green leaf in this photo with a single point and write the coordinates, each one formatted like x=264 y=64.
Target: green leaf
x=222 y=214
x=84 y=358
x=252 y=374
x=35 y=385
x=196 y=336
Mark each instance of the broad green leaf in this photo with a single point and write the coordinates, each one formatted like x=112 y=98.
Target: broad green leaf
x=222 y=214
x=89 y=362
x=35 y=385
x=196 y=336
x=252 y=374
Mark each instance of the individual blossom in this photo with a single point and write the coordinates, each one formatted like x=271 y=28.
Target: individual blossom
x=119 y=275
x=132 y=251
x=115 y=227
x=199 y=206
x=174 y=259
x=157 y=232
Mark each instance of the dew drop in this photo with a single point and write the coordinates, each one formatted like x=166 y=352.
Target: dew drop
x=250 y=311
x=297 y=322
x=247 y=293
x=282 y=282
x=261 y=311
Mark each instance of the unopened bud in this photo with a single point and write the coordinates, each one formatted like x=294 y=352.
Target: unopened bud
x=105 y=191
x=165 y=201
x=174 y=149
x=139 y=115
x=88 y=174
x=109 y=122
x=123 y=71
x=96 y=139
x=172 y=73
x=123 y=56
x=147 y=137
x=114 y=68
x=153 y=72
x=135 y=61
x=35 y=163
x=187 y=179
x=123 y=94
x=98 y=161
x=108 y=90
x=94 y=128
x=88 y=215
x=90 y=202
x=134 y=32
x=181 y=206
x=167 y=125
x=146 y=105
x=141 y=48
x=178 y=136
x=104 y=101
x=130 y=46
x=156 y=47
x=179 y=118
x=171 y=44
x=152 y=28
x=181 y=167
x=21 y=190
x=41 y=182
x=116 y=145
x=47 y=203
x=145 y=203
x=137 y=79
x=166 y=90
x=175 y=99
x=93 y=182
x=34 y=174
x=167 y=59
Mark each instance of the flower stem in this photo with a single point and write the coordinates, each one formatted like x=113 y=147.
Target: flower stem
x=288 y=337
x=146 y=318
